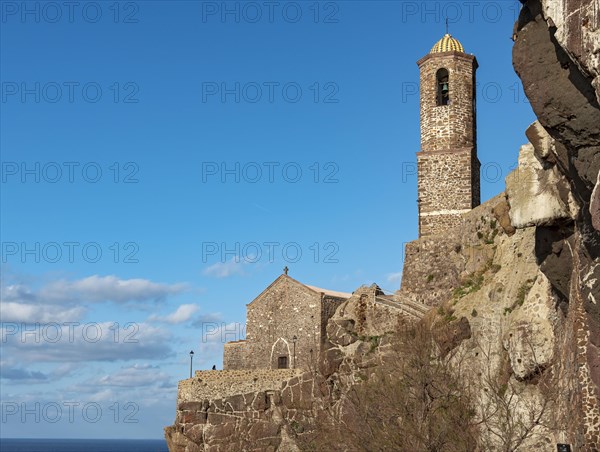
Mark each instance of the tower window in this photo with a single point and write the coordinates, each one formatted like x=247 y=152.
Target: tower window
x=443 y=87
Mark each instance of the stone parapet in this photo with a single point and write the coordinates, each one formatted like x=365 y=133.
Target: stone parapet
x=215 y=384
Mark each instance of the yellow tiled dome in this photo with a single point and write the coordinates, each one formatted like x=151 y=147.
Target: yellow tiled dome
x=447 y=44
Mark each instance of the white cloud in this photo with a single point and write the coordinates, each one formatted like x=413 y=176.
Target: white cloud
x=62 y=300
x=26 y=312
x=23 y=375
x=394 y=277
x=181 y=315
x=234 y=266
x=20 y=375
x=92 y=341
x=201 y=320
x=108 y=288
x=135 y=376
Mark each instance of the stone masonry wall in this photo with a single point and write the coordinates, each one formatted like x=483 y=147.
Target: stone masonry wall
x=215 y=384
x=448 y=126
x=446 y=188
x=475 y=179
x=279 y=405
x=234 y=355
x=285 y=310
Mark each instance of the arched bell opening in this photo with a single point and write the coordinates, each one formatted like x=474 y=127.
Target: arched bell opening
x=443 y=87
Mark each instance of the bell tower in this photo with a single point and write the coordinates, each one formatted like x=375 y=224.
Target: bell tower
x=447 y=164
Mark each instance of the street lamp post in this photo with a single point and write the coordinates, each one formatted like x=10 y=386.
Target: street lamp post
x=294 y=339
x=191 y=359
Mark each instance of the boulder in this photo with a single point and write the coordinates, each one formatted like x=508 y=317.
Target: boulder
x=534 y=194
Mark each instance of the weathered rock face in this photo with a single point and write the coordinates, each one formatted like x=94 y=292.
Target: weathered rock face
x=561 y=83
x=538 y=196
x=576 y=24
x=595 y=205
x=529 y=338
x=557 y=56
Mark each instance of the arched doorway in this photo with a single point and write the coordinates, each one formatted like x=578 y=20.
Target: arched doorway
x=280 y=355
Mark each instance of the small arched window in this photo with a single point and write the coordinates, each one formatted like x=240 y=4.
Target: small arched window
x=443 y=87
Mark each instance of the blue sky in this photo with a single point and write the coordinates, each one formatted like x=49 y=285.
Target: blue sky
x=163 y=161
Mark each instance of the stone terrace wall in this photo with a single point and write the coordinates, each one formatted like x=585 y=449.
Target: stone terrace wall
x=250 y=421
x=216 y=384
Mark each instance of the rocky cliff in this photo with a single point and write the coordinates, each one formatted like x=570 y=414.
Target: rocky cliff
x=557 y=56
x=511 y=359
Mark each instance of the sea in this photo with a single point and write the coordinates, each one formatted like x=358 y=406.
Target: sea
x=83 y=445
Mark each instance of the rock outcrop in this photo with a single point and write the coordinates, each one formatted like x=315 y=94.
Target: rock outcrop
x=557 y=57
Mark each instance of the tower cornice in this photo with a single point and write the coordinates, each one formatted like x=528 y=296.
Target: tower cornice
x=454 y=150
x=452 y=53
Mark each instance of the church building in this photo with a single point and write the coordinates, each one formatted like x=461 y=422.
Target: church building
x=285 y=327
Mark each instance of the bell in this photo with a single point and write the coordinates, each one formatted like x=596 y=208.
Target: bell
x=444 y=88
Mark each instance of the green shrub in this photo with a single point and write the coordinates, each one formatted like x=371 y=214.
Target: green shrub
x=374 y=341
x=523 y=291
x=472 y=284
x=489 y=240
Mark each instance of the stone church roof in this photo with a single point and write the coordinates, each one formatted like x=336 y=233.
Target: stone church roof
x=331 y=293
x=447 y=44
